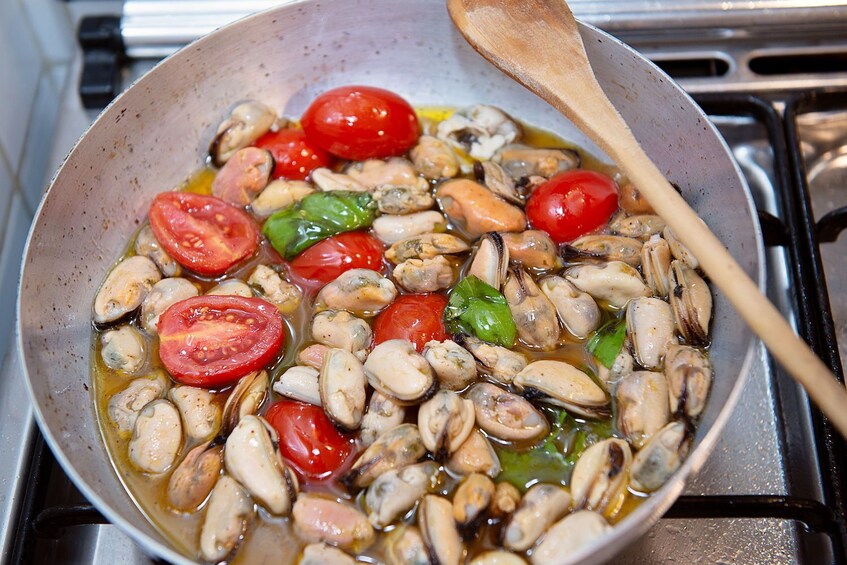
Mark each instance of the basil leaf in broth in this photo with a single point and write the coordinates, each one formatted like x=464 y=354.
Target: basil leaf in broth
x=607 y=342
x=345 y=211
x=477 y=308
x=316 y=217
x=550 y=461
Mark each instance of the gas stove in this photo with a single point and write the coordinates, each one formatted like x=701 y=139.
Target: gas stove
x=772 y=75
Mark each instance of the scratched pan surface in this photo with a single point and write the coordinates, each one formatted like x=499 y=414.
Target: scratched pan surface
x=153 y=136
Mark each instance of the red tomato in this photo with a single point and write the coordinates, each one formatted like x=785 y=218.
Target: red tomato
x=361 y=122
x=572 y=203
x=295 y=155
x=212 y=341
x=203 y=233
x=308 y=440
x=327 y=259
x=415 y=317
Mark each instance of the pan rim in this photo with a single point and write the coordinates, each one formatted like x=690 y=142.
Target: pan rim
x=632 y=526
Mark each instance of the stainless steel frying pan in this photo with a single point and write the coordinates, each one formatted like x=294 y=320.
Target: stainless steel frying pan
x=153 y=136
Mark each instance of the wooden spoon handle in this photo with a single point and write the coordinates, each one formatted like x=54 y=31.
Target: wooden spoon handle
x=762 y=317
x=537 y=43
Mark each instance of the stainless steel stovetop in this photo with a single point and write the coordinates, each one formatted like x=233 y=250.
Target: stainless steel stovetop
x=768 y=448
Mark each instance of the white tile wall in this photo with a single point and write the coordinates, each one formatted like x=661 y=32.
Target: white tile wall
x=20 y=68
x=17 y=227
x=50 y=26
x=8 y=185
x=36 y=47
x=33 y=174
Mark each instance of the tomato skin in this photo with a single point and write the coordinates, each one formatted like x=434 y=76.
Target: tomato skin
x=361 y=122
x=308 y=440
x=328 y=259
x=233 y=347
x=203 y=233
x=572 y=203
x=295 y=155
x=415 y=317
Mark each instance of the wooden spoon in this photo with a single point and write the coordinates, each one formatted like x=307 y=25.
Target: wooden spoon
x=528 y=40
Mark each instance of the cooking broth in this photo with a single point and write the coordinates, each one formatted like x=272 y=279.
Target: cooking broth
x=272 y=539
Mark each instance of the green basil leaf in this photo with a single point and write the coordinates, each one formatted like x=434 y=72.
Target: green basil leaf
x=552 y=459
x=579 y=445
x=607 y=342
x=478 y=309
x=543 y=463
x=344 y=211
x=318 y=216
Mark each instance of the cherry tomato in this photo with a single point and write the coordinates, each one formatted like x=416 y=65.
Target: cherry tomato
x=361 y=122
x=415 y=317
x=212 y=341
x=295 y=155
x=572 y=203
x=203 y=233
x=326 y=260
x=308 y=440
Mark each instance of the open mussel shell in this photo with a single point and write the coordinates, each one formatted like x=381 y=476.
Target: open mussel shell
x=195 y=476
x=491 y=260
x=244 y=400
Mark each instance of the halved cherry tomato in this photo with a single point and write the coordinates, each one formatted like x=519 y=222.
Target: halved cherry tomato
x=415 y=317
x=361 y=122
x=203 y=233
x=326 y=260
x=212 y=341
x=308 y=440
x=295 y=155
x=572 y=203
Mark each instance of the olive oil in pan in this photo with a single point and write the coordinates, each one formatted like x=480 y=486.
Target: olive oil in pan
x=272 y=539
